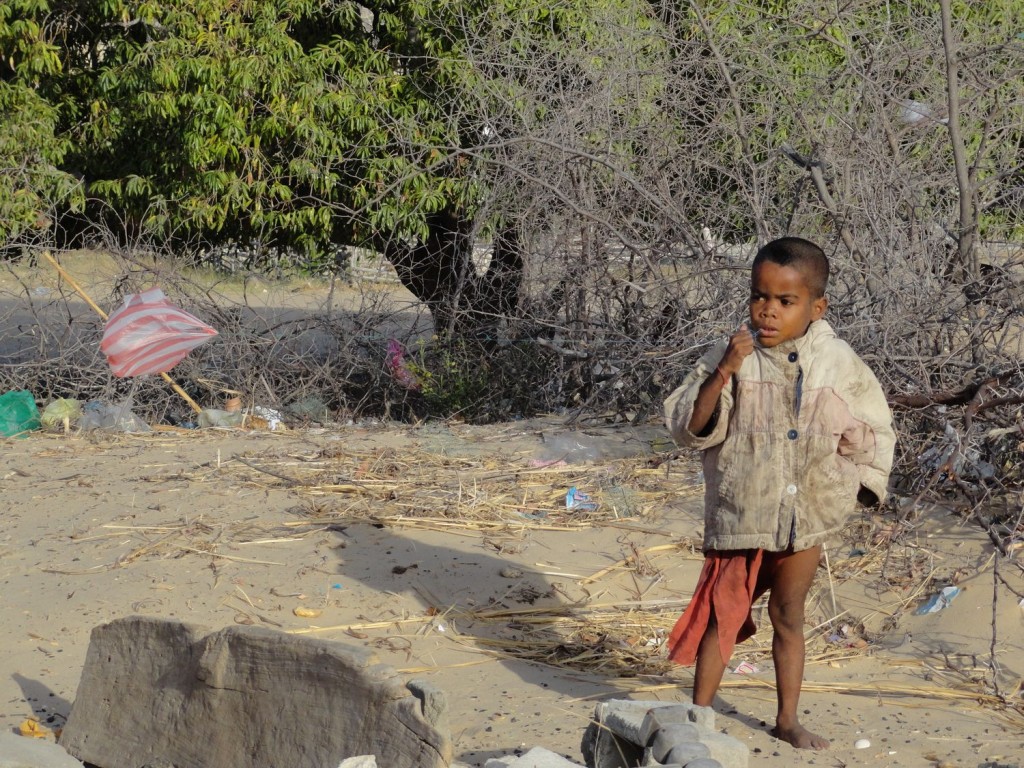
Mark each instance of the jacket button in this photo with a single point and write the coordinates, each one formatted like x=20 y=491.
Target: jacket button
x=793 y=357
x=792 y=434
x=791 y=489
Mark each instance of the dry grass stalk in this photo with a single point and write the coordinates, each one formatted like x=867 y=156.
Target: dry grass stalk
x=482 y=497
x=414 y=488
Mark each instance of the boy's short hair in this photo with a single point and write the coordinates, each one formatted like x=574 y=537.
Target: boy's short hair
x=801 y=255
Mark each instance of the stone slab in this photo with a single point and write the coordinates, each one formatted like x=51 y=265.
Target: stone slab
x=21 y=752
x=538 y=757
x=656 y=718
x=664 y=739
x=154 y=690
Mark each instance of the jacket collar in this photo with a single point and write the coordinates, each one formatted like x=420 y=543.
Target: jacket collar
x=818 y=331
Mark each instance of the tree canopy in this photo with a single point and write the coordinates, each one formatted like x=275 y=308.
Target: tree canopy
x=33 y=181
x=562 y=133
x=619 y=160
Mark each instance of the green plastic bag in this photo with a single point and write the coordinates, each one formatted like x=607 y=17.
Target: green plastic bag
x=18 y=413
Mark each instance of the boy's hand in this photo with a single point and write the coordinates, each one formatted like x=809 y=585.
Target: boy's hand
x=866 y=498
x=741 y=345
x=705 y=407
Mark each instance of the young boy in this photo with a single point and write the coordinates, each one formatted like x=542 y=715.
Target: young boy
x=795 y=430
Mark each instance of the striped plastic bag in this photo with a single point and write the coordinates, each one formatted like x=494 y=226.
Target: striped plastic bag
x=148 y=334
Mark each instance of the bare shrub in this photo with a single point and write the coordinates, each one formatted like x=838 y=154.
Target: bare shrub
x=622 y=180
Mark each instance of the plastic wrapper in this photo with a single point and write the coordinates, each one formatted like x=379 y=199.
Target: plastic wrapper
x=111 y=418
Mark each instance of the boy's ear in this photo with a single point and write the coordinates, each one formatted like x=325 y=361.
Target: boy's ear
x=818 y=307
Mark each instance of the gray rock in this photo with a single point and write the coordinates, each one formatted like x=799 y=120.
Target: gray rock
x=623 y=728
x=704 y=762
x=626 y=717
x=432 y=700
x=245 y=697
x=686 y=753
x=363 y=761
x=538 y=757
x=656 y=718
x=22 y=752
x=670 y=735
x=602 y=748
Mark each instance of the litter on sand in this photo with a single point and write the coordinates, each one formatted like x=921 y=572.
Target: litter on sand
x=18 y=413
x=150 y=335
x=34 y=730
x=575 y=499
x=938 y=601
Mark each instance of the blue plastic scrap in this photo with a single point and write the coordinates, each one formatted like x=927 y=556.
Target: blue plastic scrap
x=575 y=499
x=938 y=601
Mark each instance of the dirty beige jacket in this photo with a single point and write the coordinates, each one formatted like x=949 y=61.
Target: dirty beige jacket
x=798 y=431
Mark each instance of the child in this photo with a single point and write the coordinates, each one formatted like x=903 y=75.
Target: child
x=795 y=430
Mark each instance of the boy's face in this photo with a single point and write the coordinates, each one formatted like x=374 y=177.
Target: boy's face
x=781 y=306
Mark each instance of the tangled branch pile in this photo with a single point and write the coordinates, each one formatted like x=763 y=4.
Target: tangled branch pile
x=571 y=194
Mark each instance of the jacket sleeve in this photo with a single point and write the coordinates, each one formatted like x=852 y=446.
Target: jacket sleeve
x=679 y=405
x=870 y=440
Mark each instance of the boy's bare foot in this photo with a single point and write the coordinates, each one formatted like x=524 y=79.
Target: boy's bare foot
x=800 y=737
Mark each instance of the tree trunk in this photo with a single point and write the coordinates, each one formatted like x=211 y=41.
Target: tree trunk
x=439 y=271
x=967 y=266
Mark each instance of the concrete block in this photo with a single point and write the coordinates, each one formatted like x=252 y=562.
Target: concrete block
x=664 y=739
x=622 y=728
x=684 y=754
x=602 y=748
x=22 y=752
x=157 y=691
x=626 y=717
x=729 y=751
x=363 y=761
x=656 y=718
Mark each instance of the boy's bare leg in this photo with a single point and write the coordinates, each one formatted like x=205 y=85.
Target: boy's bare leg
x=791 y=576
x=710 y=666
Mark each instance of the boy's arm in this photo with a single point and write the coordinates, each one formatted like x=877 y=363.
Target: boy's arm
x=681 y=405
x=697 y=413
x=704 y=415
x=871 y=440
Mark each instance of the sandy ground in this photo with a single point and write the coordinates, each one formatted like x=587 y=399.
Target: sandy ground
x=219 y=527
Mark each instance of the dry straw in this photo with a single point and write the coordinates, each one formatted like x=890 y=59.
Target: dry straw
x=501 y=499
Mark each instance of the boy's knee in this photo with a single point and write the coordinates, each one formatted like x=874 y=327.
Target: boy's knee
x=787 y=616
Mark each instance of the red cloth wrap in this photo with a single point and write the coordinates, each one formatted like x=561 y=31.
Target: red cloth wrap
x=726 y=585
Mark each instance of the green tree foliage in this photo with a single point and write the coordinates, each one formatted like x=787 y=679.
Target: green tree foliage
x=32 y=182
x=296 y=123
x=419 y=127
x=229 y=119
x=290 y=116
